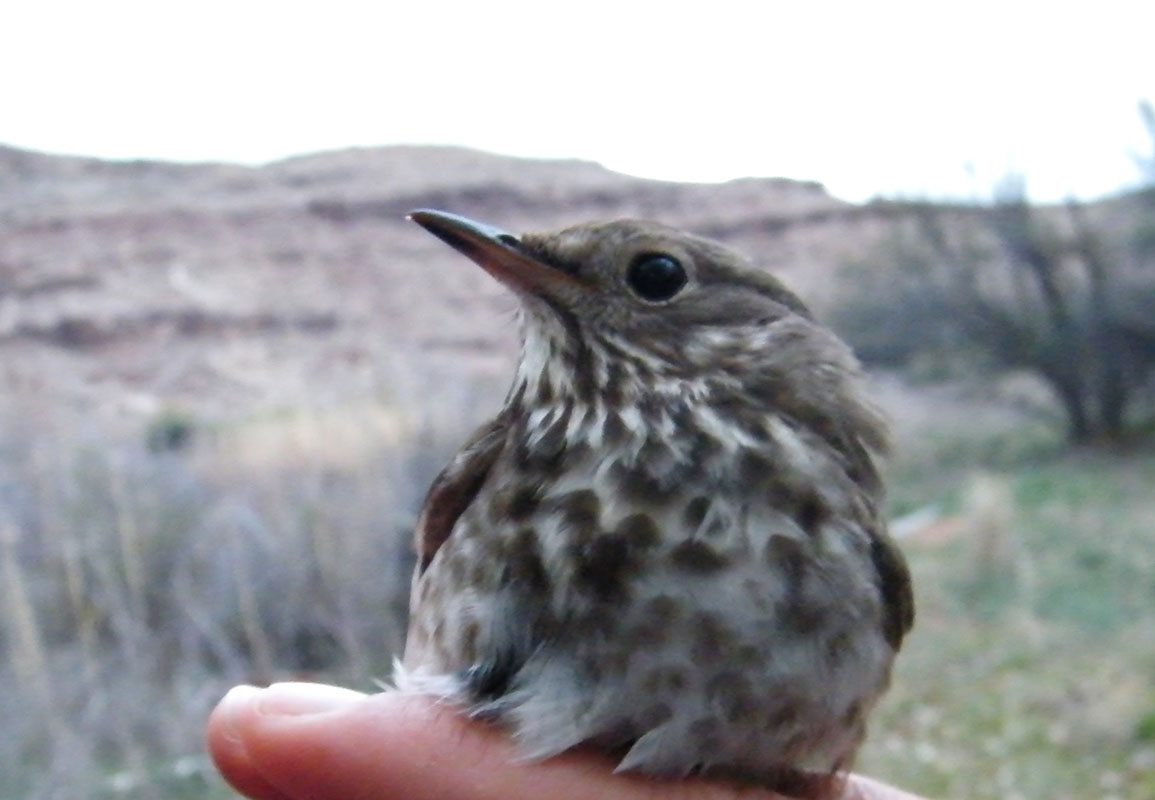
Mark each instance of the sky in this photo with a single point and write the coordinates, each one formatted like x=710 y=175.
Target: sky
x=897 y=99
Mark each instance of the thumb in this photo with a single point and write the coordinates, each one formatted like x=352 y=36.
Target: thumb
x=294 y=741
x=245 y=733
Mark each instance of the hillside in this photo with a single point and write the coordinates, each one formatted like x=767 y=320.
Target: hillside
x=127 y=288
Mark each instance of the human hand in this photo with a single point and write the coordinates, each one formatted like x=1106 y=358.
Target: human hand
x=294 y=741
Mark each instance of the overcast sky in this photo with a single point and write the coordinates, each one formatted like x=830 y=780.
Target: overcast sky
x=911 y=99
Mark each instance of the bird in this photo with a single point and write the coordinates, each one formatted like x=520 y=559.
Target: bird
x=668 y=544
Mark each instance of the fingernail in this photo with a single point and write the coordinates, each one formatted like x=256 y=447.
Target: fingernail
x=300 y=699
x=229 y=709
x=228 y=749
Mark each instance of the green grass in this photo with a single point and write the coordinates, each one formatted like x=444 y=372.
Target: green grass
x=1031 y=670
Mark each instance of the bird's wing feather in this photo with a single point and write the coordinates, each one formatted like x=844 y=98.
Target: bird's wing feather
x=455 y=487
x=894 y=583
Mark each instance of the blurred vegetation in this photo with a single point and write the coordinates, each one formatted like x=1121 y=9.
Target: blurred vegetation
x=140 y=579
x=1066 y=294
x=1029 y=673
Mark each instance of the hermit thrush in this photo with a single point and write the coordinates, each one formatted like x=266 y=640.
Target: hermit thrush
x=668 y=543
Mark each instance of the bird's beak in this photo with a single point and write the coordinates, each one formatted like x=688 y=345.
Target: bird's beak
x=497 y=252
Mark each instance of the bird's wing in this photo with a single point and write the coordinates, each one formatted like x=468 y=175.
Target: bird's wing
x=455 y=487
x=894 y=583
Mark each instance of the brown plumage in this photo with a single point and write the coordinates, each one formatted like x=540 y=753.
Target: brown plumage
x=668 y=543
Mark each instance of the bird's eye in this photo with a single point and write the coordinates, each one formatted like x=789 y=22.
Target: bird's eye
x=656 y=276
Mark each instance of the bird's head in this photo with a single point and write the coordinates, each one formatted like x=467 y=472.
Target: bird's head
x=630 y=307
x=679 y=299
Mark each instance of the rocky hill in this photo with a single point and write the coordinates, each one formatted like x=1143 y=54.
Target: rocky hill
x=128 y=288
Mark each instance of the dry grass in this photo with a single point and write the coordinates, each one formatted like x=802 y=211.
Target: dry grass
x=136 y=587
